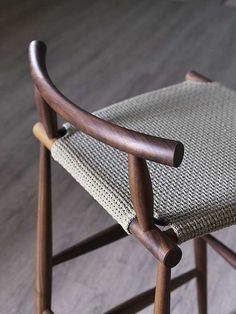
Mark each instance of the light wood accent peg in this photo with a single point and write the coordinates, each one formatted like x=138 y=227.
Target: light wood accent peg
x=40 y=133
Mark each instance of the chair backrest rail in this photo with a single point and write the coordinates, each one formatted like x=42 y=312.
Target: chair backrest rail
x=163 y=151
x=139 y=147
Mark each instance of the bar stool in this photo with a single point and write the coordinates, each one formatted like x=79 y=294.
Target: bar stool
x=129 y=157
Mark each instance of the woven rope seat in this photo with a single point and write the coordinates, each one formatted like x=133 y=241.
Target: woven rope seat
x=198 y=197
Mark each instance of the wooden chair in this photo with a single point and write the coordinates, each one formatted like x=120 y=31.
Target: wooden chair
x=143 y=216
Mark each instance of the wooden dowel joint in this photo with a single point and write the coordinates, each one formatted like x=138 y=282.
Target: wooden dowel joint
x=156 y=242
x=40 y=133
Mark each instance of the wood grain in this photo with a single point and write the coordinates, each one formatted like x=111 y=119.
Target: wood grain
x=164 y=151
x=201 y=265
x=43 y=286
x=101 y=52
x=156 y=242
x=141 y=191
x=162 y=294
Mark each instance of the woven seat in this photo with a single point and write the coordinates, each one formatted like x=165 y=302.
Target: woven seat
x=198 y=197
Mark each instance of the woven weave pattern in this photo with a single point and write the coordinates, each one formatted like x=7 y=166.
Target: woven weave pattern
x=198 y=197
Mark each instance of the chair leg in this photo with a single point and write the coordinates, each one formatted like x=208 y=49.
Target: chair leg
x=201 y=265
x=44 y=236
x=163 y=285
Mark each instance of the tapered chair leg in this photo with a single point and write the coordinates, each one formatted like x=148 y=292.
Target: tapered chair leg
x=44 y=236
x=163 y=285
x=201 y=265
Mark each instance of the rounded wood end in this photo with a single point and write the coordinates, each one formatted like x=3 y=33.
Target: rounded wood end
x=173 y=257
x=178 y=154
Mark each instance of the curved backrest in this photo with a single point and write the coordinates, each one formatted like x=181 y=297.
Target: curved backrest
x=164 y=151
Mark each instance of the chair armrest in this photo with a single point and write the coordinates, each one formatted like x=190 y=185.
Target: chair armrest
x=163 y=151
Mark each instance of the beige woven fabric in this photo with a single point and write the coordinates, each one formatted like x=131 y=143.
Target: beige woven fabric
x=194 y=199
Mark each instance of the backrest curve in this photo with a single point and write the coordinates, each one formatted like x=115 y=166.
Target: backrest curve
x=149 y=147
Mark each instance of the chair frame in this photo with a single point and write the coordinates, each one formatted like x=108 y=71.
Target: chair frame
x=139 y=147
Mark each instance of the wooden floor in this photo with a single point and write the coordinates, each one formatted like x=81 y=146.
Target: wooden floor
x=100 y=52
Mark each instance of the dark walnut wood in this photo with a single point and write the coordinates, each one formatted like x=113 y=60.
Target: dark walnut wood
x=158 y=243
x=44 y=235
x=141 y=191
x=162 y=293
x=165 y=285
x=200 y=243
x=161 y=244
x=164 y=151
x=143 y=227
x=201 y=265
x=140 y=147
